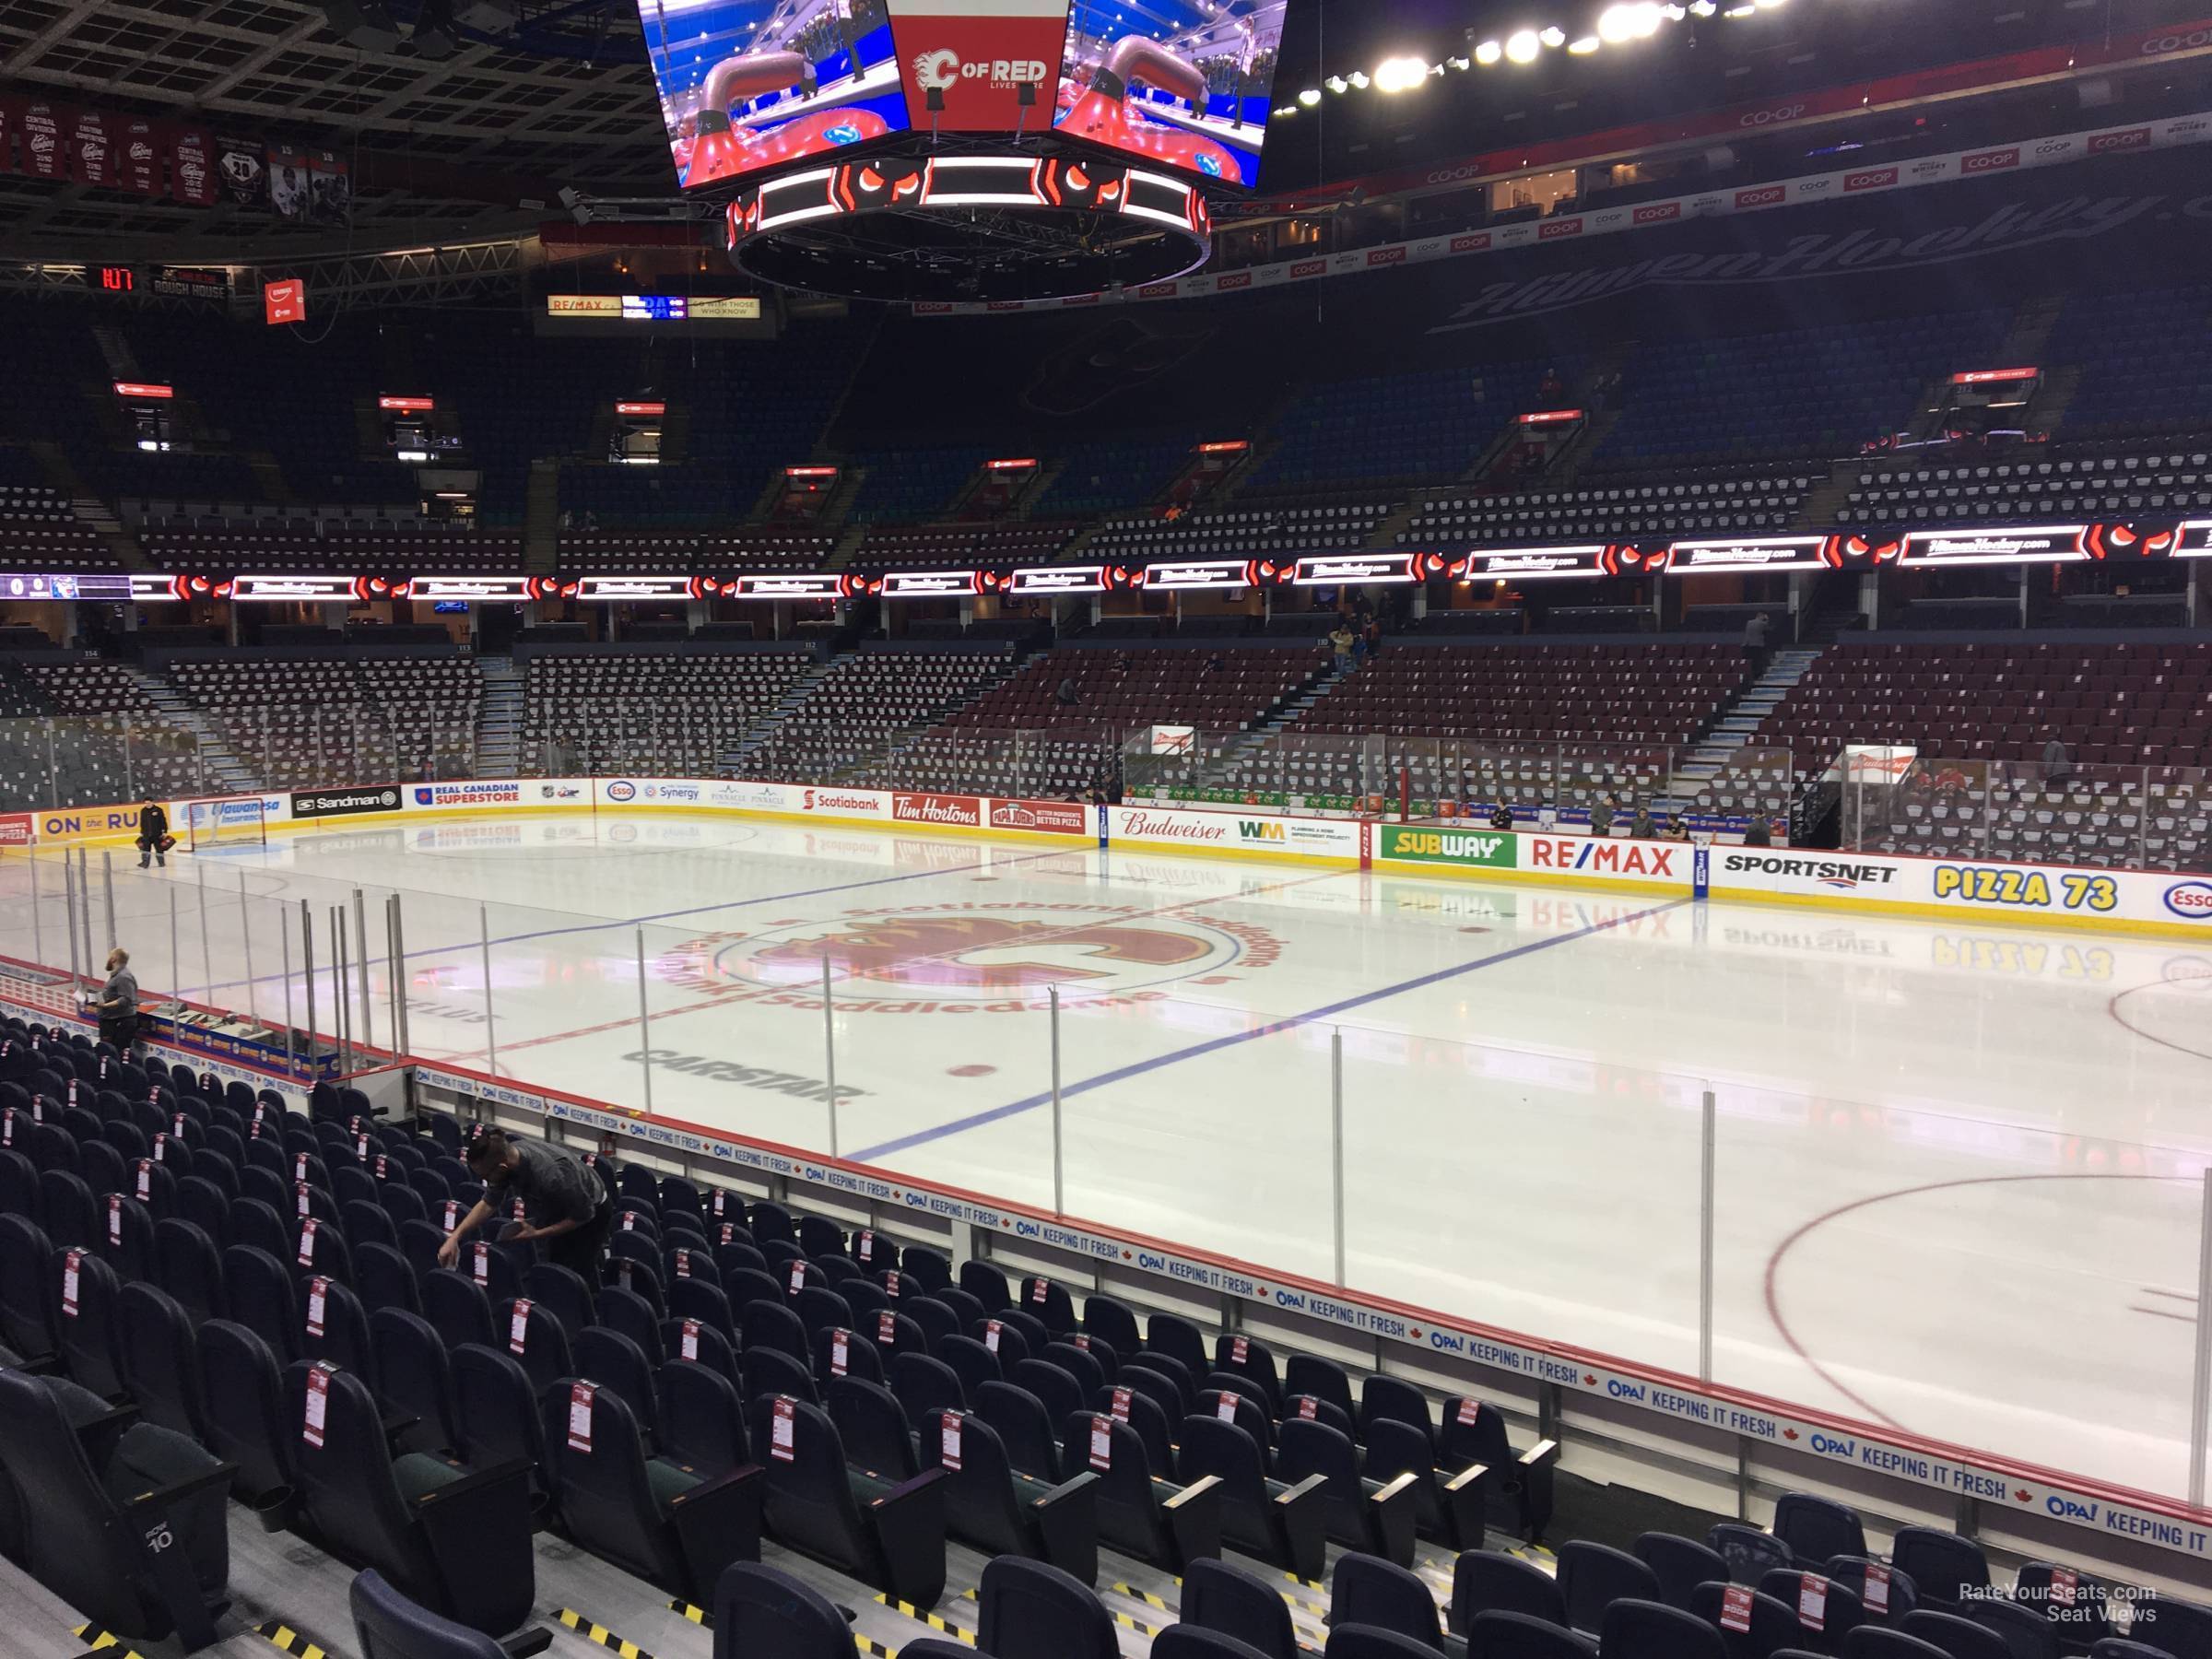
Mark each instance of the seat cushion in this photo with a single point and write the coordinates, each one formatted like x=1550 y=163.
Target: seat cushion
x=419 y=1473
x=668 y=1481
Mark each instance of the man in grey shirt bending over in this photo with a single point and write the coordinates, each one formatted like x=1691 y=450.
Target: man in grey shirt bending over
x=566 y=1206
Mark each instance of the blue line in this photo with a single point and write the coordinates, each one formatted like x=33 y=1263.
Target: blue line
x=697 y=910
x=1138 y=1068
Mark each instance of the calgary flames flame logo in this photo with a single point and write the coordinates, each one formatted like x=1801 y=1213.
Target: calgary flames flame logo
x=939 y=950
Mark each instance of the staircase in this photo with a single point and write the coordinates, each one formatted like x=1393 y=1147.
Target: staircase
x=88 y=507
x=541 y=519
x=1739 y=718
x=733 y=761
x=2031 y=330
x=115 y=351
x=499 y=718
x=1826 y=498
x=227 y=774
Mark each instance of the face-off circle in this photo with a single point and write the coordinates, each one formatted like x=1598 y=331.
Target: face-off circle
x=981 y=956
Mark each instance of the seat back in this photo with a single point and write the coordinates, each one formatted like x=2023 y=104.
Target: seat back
x=1960 y=1638
x=496 y=1412
x=1366 y=1590
x=1231 y=1602
x=1681 y=1564
x=86 y=1316
x=2183 y=1628
x=1942 y=1566
x=619 y=1366
x=620 y=1309
x=1490 y=1581
x=413 y=1373
x=1372 y=1642
x=1830 y=1611
x=1517 y=1636
x=386 y=1625
x=160 y=1360
x=1211 y=1446
x=2026 y=1633
x=1033 y=1610
x=1248 y=1357
x=1818 y=1529
x=1189 y=1642
x=1593 y=1576
x=809 y=1503
x=1393 y=1397
x=1751 y=1553
x=1773 y=1624
x=839 y=1352
x=334 y=1326
x=874 y=1430
x=242 y=1389
x=347 y=1486
x=702 y=1420
x=925 y=1383
x=1655 y=1631
x=763 y=1610
x=533 y=1335
x=1324 y=1379
x=597 y=1453
x=25 y=1306
x=1024 y=1426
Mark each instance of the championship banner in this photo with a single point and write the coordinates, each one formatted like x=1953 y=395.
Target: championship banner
x=11 y=118
x=963 y=63
x=44 y=152
x=191 y=179
x=138 y=159
x=91 y=149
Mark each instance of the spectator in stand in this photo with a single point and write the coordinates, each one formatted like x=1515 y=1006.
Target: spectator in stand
x=2058 y=766
x=1640 y=827
x=1675 y=828
x=1340 y=641
x=1067 y=697
x=154 y=841
x=1755 y=645
x=1551 y=388
x=1502 y=816
x=1373 y=638
x=1601 y=814
x=1756 y=833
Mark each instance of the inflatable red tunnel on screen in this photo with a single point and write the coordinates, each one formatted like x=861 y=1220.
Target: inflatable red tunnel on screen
x=1194 y=96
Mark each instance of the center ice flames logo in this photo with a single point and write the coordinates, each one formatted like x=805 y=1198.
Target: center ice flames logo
x=983 y=952
x=972 y=955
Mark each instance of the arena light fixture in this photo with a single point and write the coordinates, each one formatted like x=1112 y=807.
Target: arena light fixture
x=1522 y=46
x=1554 y=37
x=1489 y=52
x=1583 y=47
x=1457 y=63
x=1310 y=96
x=1358 y=78
x=1335 y=83
x=1400 y=74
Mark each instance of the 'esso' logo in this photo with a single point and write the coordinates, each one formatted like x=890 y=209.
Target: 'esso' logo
x=621 y=792
x=1758 y=118
x=2191 y=900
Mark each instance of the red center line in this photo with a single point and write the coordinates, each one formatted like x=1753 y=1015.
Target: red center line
x=728 y=998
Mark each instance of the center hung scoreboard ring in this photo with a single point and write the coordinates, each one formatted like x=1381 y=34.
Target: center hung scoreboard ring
x=943 y=229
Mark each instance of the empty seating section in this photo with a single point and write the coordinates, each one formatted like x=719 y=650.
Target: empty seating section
x=2066 y=488
x=1688 y=502
x=960 y=547
x=2130 y=788
x=391 y=549
x=769 y=549
x=359 y=719
x=1108 y=475
x=657 y=713
x=2143 y=358
x=1400 y=428
x=39 y=531
x=914 y=483
x=1084 y=1454
x=1241 y=532
x=855 y=723
x=1659 y=695
x=1225 y=689
x=103 y=738
x=1821 y=389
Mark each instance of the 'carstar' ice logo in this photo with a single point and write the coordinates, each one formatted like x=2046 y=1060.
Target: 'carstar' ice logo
x=2191 y=901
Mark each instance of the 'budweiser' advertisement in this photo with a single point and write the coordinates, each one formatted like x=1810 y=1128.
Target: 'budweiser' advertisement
x=963 y=812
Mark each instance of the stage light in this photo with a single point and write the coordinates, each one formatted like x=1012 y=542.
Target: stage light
x=1637 y=21
x=1310 y=96
x=1400 y=74
x=1359 y=80
x=1554 y=38
x=1585 y=47
x=1489 y=52
x=1457 y=63
x=1522 y=46
x=1335 y=83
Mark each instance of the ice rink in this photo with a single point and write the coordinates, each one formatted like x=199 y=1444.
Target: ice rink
x=1936 y=1147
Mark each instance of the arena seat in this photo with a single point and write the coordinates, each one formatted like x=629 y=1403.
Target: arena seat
x=763 y=1610
x=1877 y=1642
x=160 y=1360
x=876 y=1431
x=1140 y=1513
x=1517 y=1636
x=27 y=1311
x=84 y=1292
x=334 y=1327
x=1656 y=1630
x=1681 y=1565
x=1284 y=1524
x=89 y=1547
x=997 y=1509
x=674 y=1525
x=386 y=1625
x=1945 y=1569
x=1474 y=1431
x=1772 y=1624
x=1366 y=1589
x=455 y=1541
x=2183 y=1628
x=1376 y=1517
x=1751 y=1552
x=1961 y=1637
x=1593 y=1576
x=892 y=1536
x=1840 y=1610
x=243 y=1387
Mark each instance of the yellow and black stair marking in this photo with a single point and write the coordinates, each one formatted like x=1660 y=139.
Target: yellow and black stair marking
x=600 y=1634
x=697 y=1616
x=942 y=1625
x=1134 y=1594
x=1319 y=1610
x=281 y=1636
x=876 y=1648
x=98 y=1640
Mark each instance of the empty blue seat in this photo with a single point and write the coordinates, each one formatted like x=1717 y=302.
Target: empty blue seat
x=458 y=1309
x=2079 y=1613
x=1283 y=1524
x=160 y=1360
x=334 y=1326
x=453 y=1541
x=888 y=1535
x=415 y=1376
x=1521 y=1483
x=702 y=1420
x=2183 y=1628
x=620 y=1367
x=1751 y=1552
x=497 y=1416
x=667 y=1522
x=1884 y=1593
x=1192 y=1641
x=1230 y=1602
x=386 y=1625
x=1771 y=1624
x=1490 y=1581
x=533 y=1337
x=27 y=1307
x=1838 y=1609
x=874 y=1428
x=1517 y=1636
x=1594 y=1576
x=1000 y=1510
x=1681 y=1565
x=1653 y=1630
x=1033 y=1610
x=241 y=1390
x=1366 y=1589
x=1816 y=1528
x=100 y=1500
x=1945 y=1567
x=85 y=1291
x=1374 y=1517
x=1960 y=1638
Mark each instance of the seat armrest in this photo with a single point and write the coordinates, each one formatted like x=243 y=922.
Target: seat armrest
x=1195 y=1522
x=178 y=1490
x=718 y=1522
x=477 y=1531
x=1390 y=1510
x=908 y=1522
x=1066 y=1519
x=1463 y=1496
x=1300 y=1526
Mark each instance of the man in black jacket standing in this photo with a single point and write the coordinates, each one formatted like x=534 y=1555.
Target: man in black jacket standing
x=153 y=834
